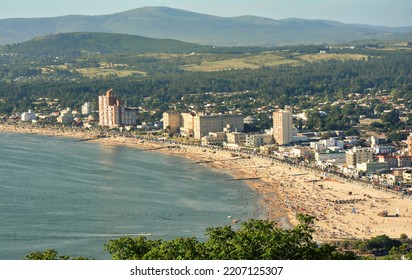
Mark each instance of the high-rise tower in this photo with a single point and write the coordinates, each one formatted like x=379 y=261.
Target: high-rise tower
x=111 y=110
x=282 y=127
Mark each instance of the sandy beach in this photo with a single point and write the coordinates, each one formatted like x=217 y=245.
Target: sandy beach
x=343 y=209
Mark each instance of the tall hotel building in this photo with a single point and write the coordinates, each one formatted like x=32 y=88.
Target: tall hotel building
x=197 y=126
x=282 y=127
x=111 y=110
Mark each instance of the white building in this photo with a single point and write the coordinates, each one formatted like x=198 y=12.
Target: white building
x=87 y=108
x=376 y=142
x=66 y=117
x=325 y=144
x=28 y=116
x=331 y=156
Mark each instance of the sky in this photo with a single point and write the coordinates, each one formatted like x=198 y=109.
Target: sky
x=374 y=12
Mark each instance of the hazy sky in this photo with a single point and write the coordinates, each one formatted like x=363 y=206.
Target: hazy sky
x=375 y=12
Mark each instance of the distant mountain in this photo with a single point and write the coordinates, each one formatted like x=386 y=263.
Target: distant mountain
x=162 y=22
x=89 y=42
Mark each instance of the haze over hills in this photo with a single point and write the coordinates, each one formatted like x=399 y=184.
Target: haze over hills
x=163 y=22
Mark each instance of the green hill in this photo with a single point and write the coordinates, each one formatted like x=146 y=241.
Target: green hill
x=104 y=43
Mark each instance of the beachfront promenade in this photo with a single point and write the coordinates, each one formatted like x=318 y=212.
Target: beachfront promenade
x=344 y=208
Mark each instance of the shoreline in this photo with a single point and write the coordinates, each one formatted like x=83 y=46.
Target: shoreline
x=343 y=210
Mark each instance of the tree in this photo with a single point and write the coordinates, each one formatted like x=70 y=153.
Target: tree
x=51 y=255
x=352 y=132
x=128 y=248
x=177 y=249
x=391 y=119
x=382 y=243
x=396 y=137
x=398 y=253
x=404 y=238
x=376 y=126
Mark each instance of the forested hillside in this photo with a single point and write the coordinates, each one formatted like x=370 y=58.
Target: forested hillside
x=307 y=84
x=75 y=44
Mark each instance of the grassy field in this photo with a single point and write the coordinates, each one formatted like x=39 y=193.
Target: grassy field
x=104 y=72
x=203 y=62
x=241 y=62
x=208 y=64
x=330 y=56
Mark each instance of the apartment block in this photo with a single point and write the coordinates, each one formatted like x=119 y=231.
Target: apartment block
x=409 y=143
x=130 y=116
x=238 y=138
x=372 y=167
x=187 y=124
x=179 y=123
x=111 y=110
x=198 y=126
x=257 y=140
x=358 y=155
x=171 y=121
x=204 y=124
x=283 y=127
x=395 y=161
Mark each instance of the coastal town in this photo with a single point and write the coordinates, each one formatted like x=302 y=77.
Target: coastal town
x=246 y=136
x=371 y=158
x=356 y=187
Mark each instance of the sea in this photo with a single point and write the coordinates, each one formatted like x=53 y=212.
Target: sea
x=73 y=197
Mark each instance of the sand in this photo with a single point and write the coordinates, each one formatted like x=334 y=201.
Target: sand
x=343 y=209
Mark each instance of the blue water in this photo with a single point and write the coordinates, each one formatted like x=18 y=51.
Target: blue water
x=74 y=197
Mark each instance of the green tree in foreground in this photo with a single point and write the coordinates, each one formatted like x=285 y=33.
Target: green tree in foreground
x=255 y=240
x=49 y=255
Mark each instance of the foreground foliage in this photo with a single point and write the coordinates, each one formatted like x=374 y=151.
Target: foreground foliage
x=255 y=240
x=50 y=255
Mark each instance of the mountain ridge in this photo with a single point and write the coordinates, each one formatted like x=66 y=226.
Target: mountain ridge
x=182 y=25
